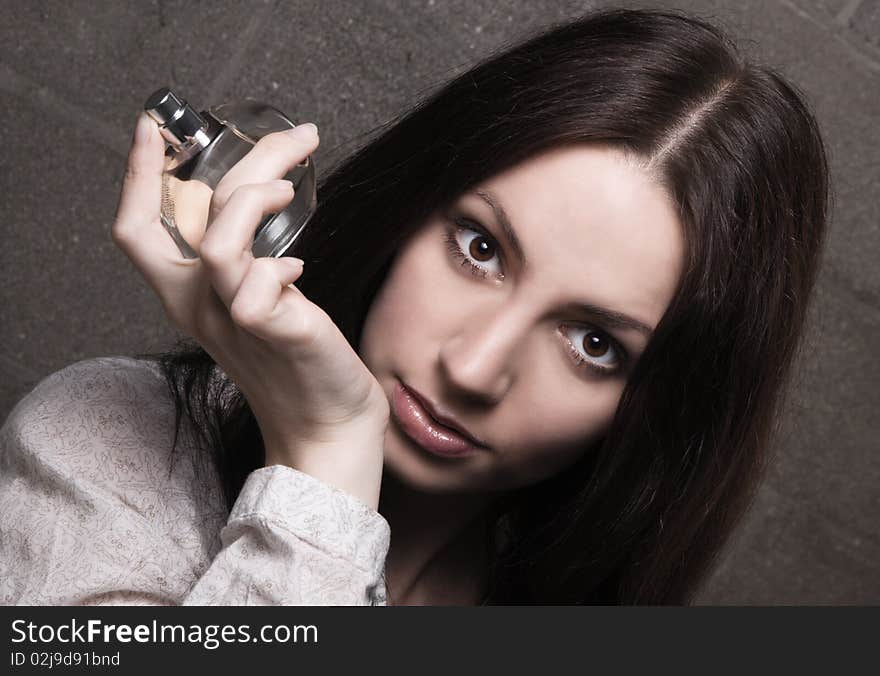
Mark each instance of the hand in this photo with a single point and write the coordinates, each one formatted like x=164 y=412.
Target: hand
x=319 y=408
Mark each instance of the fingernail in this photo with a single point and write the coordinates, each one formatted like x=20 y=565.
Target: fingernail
x=283 y=184
x=142 y=130
x=305 y=131
x=296 y=261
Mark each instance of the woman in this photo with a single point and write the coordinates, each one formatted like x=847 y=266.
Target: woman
x=541 y=332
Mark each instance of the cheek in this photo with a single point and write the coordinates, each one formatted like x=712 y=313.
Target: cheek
x=553 y=432
x=404 y=309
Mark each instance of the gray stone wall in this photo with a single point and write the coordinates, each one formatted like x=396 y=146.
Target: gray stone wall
x=74 y=74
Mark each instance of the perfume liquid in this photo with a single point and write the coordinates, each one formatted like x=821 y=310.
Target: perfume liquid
x=201 y=148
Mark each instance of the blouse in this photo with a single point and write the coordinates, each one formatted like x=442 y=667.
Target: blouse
x=94 y=511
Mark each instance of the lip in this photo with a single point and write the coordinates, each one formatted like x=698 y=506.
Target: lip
x=439 y=435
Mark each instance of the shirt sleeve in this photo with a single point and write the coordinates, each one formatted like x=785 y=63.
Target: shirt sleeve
x=292 y=539
x=91 y=514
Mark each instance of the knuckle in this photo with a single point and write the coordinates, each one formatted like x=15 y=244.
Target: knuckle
x=238 y=196
x=247 y=195
x=131 y=173
x=243 y=313
x=118 y=234
x=124 y=234
x=264 y=266
x=304 y=328
x=277 y=142
x=221 y=195
x=212 y=253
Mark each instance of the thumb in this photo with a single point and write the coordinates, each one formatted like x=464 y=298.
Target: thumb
x=141 y=198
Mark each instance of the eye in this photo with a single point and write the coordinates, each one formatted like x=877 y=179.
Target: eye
x=594 y=349
x=474 y=249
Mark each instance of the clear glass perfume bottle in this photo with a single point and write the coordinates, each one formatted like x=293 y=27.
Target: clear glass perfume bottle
x=201 y=148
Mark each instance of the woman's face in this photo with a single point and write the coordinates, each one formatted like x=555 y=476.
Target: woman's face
x=526 y=342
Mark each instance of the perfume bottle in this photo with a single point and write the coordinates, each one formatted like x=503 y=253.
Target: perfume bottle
x=201 y=148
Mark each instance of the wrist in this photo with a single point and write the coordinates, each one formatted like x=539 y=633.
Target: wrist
x=351 y=460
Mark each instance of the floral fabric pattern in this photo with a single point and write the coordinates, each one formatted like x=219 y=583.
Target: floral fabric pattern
x=93 y=511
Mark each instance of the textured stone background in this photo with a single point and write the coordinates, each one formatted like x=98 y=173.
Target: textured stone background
x=74 y=74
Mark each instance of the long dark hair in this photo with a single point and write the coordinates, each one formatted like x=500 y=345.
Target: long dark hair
x=642 y=517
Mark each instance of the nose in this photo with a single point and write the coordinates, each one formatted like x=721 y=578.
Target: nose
x=479 y=359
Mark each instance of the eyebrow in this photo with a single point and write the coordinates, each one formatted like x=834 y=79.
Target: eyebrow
x=610 y=318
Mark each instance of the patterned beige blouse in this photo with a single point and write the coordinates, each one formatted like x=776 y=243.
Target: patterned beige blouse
x=93 y=511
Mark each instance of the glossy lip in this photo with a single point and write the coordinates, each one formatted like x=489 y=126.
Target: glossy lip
x=440 y=435
x=444 y=418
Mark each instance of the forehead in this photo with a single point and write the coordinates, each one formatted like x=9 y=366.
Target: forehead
x=594 y=227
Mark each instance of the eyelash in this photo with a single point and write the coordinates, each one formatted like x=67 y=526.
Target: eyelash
x=458 y=255
x=583 y=362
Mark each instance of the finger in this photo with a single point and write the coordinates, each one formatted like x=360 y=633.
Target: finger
x=257 y=303
x=141 y=197
x=226 y=250
x=273 y=156
x=137 y=228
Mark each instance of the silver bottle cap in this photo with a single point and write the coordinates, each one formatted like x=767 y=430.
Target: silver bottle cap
x=178 y=122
